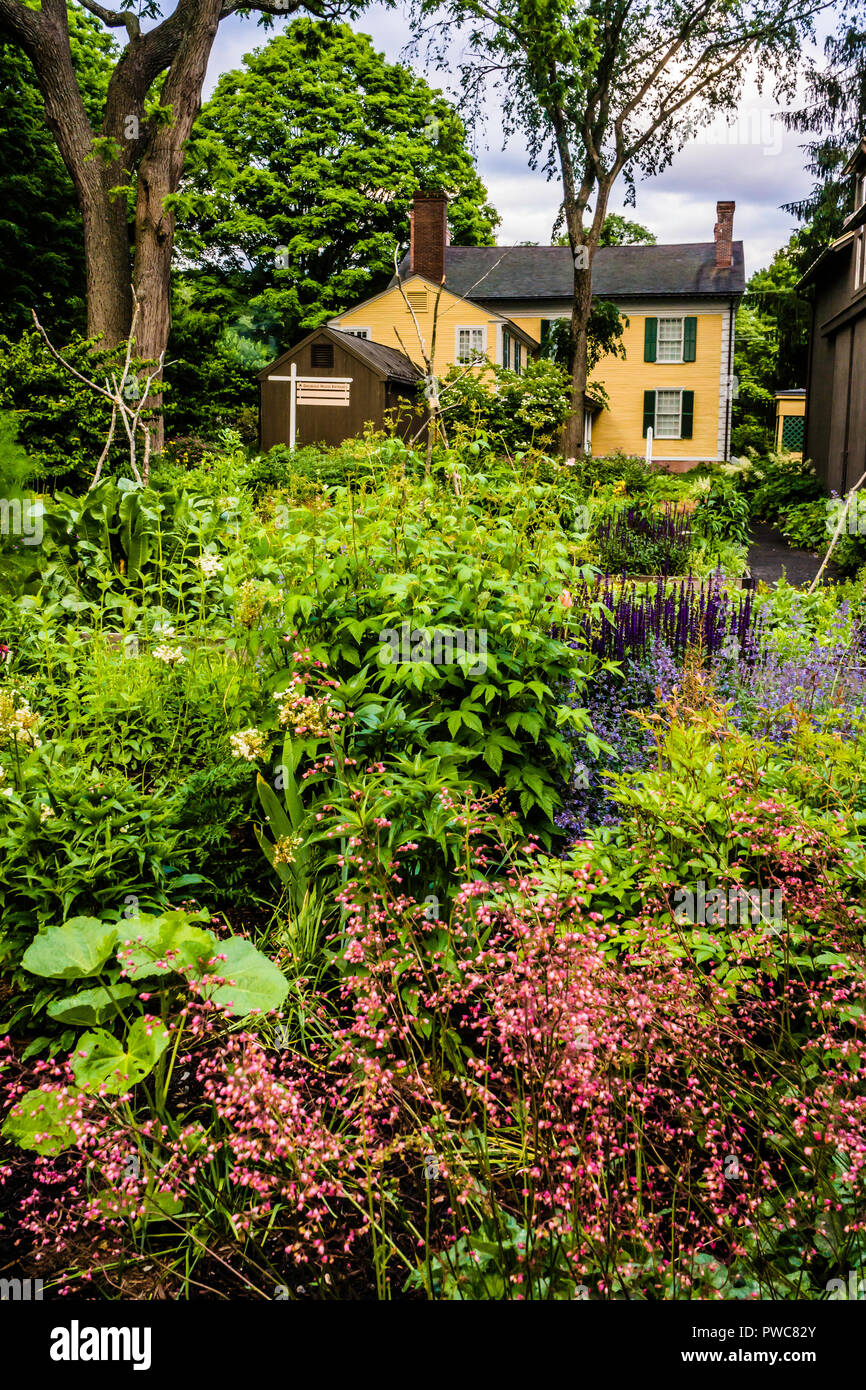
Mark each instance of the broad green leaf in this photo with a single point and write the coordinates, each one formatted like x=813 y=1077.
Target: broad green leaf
x=38 y=1121
x=273 y=808
x=77 y=949
x=150 y=946
x=101 y=1060
x=256 y=983
x=90 y=1006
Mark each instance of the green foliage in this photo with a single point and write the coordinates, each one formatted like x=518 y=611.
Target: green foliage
x=770 y=347
x=516 y=412
x=41 y=234
x=617 y=230
x=311 y=151
x=778 y=482
x=721 y=513
x=166 y=954
x=62 y=424
x=811 y=526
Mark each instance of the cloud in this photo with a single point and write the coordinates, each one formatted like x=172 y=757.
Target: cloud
x=757 y=163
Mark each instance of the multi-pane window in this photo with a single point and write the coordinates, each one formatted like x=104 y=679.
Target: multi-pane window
x=668 y=414
x=506 y=349
x=670 y=340
x=860 y=261
x=359 y=332
x=518 y=357
x=471 y=343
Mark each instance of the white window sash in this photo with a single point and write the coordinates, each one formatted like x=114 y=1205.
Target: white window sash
x=672 y=344
x=672 y=413
x=476 y=342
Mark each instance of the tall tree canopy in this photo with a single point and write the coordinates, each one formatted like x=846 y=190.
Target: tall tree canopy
x=771 y=346
x=133 y=156
x=603 y=88
x=833 y=114
x=301 y=171
x=41 y=247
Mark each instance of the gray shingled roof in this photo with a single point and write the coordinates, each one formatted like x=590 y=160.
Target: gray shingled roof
x=500 y=273
x=395 y=364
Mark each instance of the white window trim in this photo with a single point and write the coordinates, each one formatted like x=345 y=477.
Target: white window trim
x=359 y=332
x=670 y=318
x=860 y=261
x=677 y=390
x=470 y=328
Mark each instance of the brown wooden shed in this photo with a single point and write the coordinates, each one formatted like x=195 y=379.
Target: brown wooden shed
x=344 y=383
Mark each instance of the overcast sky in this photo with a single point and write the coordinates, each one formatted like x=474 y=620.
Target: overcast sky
x=757 y=163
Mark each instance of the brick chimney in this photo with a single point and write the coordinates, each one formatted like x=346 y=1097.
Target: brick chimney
x=724 y=234
x=428 y=236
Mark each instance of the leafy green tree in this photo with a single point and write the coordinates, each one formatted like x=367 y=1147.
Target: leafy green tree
x=301 y=171
x=41 y=237
x=603 y=88
x=770 y=346
x=131 y=158
x=834 y=116
x=617 y=230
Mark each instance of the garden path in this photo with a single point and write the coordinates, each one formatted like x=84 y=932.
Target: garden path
x=770 y=554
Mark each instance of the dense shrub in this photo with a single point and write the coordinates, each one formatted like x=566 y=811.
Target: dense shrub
x=778 y=482
x=515 y=412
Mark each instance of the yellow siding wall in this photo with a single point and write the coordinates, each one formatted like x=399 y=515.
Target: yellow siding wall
x=387 y=315
x=532 y=326
x=621 y=427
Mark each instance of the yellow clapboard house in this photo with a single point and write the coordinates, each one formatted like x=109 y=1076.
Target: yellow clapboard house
x=499 y=302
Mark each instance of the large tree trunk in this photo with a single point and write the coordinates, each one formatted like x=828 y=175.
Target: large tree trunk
x=159 y=175
x=573 y=434
x=107 y=261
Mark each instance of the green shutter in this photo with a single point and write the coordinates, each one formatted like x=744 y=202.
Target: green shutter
x=649 y=410
x=690 y=339
x=688 y=415
x=650 y=334
x=545 y=331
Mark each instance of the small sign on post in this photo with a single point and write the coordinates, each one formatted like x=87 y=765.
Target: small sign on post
x=315 y=390
x=649 y=446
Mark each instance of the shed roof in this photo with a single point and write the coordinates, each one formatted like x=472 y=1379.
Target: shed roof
x=388 y=363
x=494 y=273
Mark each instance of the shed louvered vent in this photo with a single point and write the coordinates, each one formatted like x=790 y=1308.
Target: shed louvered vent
x=322 y=355
x=417 y=300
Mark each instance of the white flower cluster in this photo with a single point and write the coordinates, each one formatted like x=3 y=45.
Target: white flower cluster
x=249 y=744
x=171 y=656
x=17 y=720
x=210 y=565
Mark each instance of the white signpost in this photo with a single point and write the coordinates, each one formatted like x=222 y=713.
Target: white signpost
x=313 y=390
x=649 y=446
